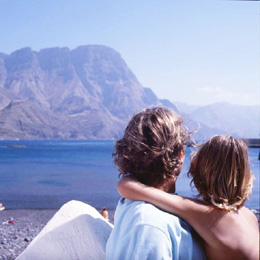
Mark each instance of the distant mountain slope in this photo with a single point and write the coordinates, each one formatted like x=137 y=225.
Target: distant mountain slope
x=185 y=108
x=88 y=92
x=237 y=120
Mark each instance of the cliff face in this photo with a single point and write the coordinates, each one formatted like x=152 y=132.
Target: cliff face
x=88 y=92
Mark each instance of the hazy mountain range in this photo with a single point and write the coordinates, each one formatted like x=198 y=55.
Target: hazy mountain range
x=90 y=93
x=237 y=120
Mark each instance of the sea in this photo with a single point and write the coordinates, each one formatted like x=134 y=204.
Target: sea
x=45 y=174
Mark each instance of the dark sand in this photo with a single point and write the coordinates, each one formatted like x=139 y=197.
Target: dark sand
x=14 y=238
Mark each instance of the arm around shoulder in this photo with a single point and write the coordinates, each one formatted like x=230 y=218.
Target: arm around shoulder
x=185 y=208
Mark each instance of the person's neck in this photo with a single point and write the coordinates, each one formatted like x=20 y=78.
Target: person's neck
x=168 y=186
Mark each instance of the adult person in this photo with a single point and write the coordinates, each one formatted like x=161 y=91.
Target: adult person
x=152 y=151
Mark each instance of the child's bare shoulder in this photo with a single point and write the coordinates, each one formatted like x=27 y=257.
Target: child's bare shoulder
x=249 y=215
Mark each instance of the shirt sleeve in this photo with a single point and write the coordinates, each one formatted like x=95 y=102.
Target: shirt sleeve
x=148 y=242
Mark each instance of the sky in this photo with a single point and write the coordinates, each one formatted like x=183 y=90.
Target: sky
x=193 y=51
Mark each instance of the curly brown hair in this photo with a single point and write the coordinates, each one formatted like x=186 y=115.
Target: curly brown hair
x=151 y=145
x=220 y=171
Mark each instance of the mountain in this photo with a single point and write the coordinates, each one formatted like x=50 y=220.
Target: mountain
x=90 y=93
x=58 y=93
x=237 y=120
x=185 y=108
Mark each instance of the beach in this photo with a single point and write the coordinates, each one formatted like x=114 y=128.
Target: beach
x=16 y=237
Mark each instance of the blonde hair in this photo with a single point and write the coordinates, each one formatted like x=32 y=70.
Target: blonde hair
x=150 y=147
x=220 y=171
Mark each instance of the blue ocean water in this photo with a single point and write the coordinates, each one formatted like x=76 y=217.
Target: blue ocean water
x=46 y=174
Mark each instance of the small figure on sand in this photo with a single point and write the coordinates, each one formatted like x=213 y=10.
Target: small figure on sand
x=10 y=221
x=104 y=213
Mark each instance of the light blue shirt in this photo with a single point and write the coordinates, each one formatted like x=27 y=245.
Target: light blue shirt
x=142 y=231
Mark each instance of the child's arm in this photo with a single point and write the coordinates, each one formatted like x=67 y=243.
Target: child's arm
x=186 y=208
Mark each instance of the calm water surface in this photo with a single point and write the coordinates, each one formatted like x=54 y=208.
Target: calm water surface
x=46 y=174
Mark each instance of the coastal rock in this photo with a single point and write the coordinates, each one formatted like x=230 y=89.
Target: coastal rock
x=77 y=231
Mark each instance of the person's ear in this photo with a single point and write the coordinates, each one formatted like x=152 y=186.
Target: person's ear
x=181 y=156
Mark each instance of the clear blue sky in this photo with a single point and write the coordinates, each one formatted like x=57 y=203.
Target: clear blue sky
x=197 y=52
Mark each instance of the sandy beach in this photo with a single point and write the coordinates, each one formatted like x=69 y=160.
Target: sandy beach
x=14 y=238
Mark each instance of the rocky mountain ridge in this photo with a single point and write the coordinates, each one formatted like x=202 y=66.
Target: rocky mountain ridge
x=57 y=93
x=88 y=93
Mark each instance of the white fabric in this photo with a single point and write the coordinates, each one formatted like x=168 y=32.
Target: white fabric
x=76 y=231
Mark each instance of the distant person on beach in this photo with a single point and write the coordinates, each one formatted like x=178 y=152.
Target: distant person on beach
x=152 y=151
x=1 y=206
x=104 y=213
x=220 y=172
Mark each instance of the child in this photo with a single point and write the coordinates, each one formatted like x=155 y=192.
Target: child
x=220 y=171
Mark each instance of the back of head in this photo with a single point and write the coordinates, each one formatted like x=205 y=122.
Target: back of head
x=150 y=147
x=221 y=173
